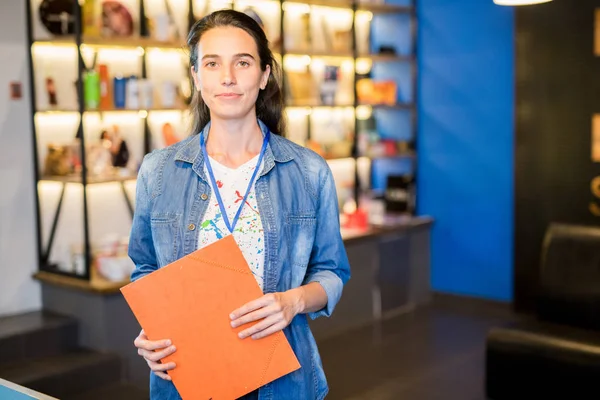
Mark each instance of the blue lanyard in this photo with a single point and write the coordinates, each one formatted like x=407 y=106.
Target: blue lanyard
x=216 y=188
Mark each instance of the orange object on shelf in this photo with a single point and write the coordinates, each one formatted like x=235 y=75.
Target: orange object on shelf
x=169 y=134
x=105 y=94
x=376 y=92
x=189 y=302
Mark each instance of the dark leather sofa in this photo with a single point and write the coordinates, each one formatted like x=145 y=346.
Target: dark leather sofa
x=556 y=354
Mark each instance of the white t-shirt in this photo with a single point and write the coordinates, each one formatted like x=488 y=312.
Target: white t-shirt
x=248 y=232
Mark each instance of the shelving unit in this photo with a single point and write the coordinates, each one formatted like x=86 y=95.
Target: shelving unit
x=69 y=206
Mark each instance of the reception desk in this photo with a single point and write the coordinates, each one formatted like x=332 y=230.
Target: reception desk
x=390 y=275
x=390 y=268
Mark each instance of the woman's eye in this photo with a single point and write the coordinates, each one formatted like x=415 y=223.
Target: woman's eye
x=211 y=64
x=244 y=63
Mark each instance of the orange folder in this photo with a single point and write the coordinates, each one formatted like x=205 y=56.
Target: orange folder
x=189 y=302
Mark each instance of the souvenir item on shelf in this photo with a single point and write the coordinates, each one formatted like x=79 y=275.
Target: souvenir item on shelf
x=335 y=134
x=342 y=41
x=91 y=85
x=116 y=19
x=340 y=149
x=132 y=93
x=119 y=85
x=298 y=35
x=168 y=94
x=357 y=219
x=367 y=136
x=316 y=147
x=105 y=98
x=119 y=150
x=163 y=26
x=169 y=136
x=91 y=17
x=58 y=160
x=173 y=29
x=146 y=93
x=159 y=27
x=389 y=50
x=77 y=254
x=307 y=35
x=51 y=91
x=300 y=88
x=111 y=259
x=58 y=16
x=99 y=158
x=329 y=85
x=402 y=147
x=117 y=146
x=390 y=147
x=398 y=193
x=91 y=89
x=374 y=92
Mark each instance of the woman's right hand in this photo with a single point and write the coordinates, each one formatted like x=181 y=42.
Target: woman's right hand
x=153 y=351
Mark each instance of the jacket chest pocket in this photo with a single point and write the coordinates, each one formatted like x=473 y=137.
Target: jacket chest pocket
x=165 y=236
x=300 y=232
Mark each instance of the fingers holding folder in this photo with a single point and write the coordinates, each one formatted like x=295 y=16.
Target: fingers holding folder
x=153 y=352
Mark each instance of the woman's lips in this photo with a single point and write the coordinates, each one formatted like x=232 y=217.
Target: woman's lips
x=229 y=95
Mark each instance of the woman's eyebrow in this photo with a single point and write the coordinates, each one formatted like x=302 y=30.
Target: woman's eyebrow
x=239 y=55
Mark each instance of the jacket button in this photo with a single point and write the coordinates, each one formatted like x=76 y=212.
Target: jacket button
x=204 y=196
x=191 y=227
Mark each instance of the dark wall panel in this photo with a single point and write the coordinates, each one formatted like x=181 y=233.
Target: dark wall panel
x=557 y=76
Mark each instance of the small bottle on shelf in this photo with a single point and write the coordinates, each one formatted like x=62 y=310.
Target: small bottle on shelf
x=105 y=100
x=119 y=92
x=132 y=93
x=91 y=89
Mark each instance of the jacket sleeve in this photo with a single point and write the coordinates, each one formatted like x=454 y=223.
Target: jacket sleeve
x=328 y=263
x=141 y=247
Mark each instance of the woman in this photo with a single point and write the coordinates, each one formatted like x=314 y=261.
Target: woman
x=288 y=230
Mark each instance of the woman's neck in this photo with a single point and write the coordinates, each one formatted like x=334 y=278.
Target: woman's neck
x=233 y=143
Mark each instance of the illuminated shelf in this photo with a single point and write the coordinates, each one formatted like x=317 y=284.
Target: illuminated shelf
x=325 y=3
x=316 y=104
x=385 y=8
x=387 y=57
x=300 y=53
x=331 y=158
x=90 y=180
x=109 y=110
x=399 y=106
x=372 y=7
x=392 y=157
x=127 y=42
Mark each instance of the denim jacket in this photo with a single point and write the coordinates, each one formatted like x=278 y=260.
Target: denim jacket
x=298 y=207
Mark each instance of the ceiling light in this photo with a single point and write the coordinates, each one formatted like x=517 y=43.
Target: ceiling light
x=519 y=2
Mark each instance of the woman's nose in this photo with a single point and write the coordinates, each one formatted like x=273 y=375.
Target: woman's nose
x=227 y=77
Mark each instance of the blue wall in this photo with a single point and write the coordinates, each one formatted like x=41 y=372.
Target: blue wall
x=465 y=143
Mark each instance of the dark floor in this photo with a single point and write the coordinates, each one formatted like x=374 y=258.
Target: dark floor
x=434 y=353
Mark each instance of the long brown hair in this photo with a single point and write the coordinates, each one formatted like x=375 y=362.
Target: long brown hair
x=269 y=104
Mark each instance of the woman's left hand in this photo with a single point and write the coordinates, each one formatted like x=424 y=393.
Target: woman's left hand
x=276 y=310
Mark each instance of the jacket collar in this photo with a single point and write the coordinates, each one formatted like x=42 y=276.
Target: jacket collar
x=190 y=152
x=277 y=151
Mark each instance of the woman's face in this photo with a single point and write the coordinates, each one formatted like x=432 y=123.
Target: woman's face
x=228 y=74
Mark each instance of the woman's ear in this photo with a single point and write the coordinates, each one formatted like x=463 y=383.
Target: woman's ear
x=265 y=77
x=195 y=78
